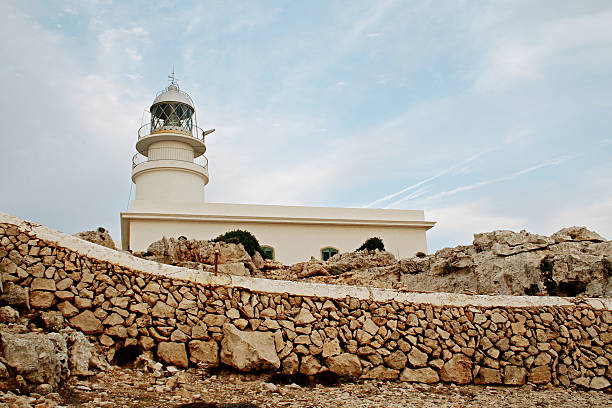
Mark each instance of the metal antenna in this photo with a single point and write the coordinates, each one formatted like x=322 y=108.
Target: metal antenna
x=172 y=77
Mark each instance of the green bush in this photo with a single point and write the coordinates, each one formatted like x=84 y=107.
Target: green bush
x=248 y=241
x=371 y=244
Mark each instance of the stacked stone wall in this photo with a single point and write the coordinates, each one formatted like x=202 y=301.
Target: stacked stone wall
x=186 y=318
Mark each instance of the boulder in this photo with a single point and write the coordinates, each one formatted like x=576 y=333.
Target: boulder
x=37 y=357
x=14 y=295
x=87 y=322
x=41 y=299
x=576 y=234
x=331 y=348
x=204 y=353
x=396 y=360
x=234 y=268
x=540 y=375
x=291 y=364
x=345 y=365
x=304 y=317
x=425 y=375
x=174 y=251
x=573 y=261
x=514 y=375
x=8 y=314
x=173 y=353
x=310 y=365
x=79 y=352
x=488 y=375
x=382 y=373
x=457 y=370
x=599 y=383
x=248 y=351
x=100 y=236
x=258 y=260
x=417 y=358
x=52 y=320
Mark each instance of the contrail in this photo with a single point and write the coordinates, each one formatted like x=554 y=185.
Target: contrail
x=410 y=196
x=427 y=180
x=548 y=163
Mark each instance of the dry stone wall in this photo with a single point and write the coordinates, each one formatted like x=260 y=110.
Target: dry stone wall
x=194 y=318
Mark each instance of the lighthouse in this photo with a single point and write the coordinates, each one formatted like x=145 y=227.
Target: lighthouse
x=170 y=172
x=170 y=165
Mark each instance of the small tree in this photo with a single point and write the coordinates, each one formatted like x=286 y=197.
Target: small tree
x=248 y=241
x=371 y=244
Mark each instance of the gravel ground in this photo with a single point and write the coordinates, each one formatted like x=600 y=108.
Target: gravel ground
x=133 y=388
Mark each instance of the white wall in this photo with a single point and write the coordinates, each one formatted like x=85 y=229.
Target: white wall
x=295 y=233
x=169 y=180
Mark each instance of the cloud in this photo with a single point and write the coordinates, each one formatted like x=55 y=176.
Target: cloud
x=455 y=225
x=541 y=48
x=525 y=82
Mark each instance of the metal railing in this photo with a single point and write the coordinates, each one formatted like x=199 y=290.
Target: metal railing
x=138 y=158
x=196 y=132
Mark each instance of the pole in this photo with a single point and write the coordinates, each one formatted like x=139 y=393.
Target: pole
x=216 y=260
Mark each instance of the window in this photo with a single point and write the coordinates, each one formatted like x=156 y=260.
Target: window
x=269 y=251
x=328 y=252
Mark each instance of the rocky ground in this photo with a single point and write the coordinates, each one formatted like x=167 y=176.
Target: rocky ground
x=571 y=262
x=124 y=387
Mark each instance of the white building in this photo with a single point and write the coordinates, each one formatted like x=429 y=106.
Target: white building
x=170 y=172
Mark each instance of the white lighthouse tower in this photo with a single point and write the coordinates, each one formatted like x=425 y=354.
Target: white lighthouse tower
x=170 y=165
x=170 y=172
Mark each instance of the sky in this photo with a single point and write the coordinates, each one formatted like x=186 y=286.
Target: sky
x=485 y=114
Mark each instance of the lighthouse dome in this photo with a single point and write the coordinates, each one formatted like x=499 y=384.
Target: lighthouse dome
x=173 y=94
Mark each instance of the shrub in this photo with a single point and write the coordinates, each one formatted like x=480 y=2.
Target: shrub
x=248 y=241
x=371 y=244
x=420 y=254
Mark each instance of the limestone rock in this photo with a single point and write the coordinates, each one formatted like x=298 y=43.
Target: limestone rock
x=204 y=353
x=576 y=234
x=514 y=375
x=396 y=360
x=53 y=321
x=417 y=358
x=382 y=373
x=573 y=261
x=457 y=370
x=310 y=365
x=173 y=353
x=87 y=322
x=304 y=317
x=291 y=364
x=248 y=351
x=8 y=314
x=14 y=295
x=163 y=310
x=99 y=236
x=488 y=375
x=79 y=352
x=331 y=348
x=422 y=375
x=345 y=365
x=599 y=383
x=35 y=357
x=41 y=299
x=540 y=375
x=234 y=268
x=176 y=251
x=258 y=261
